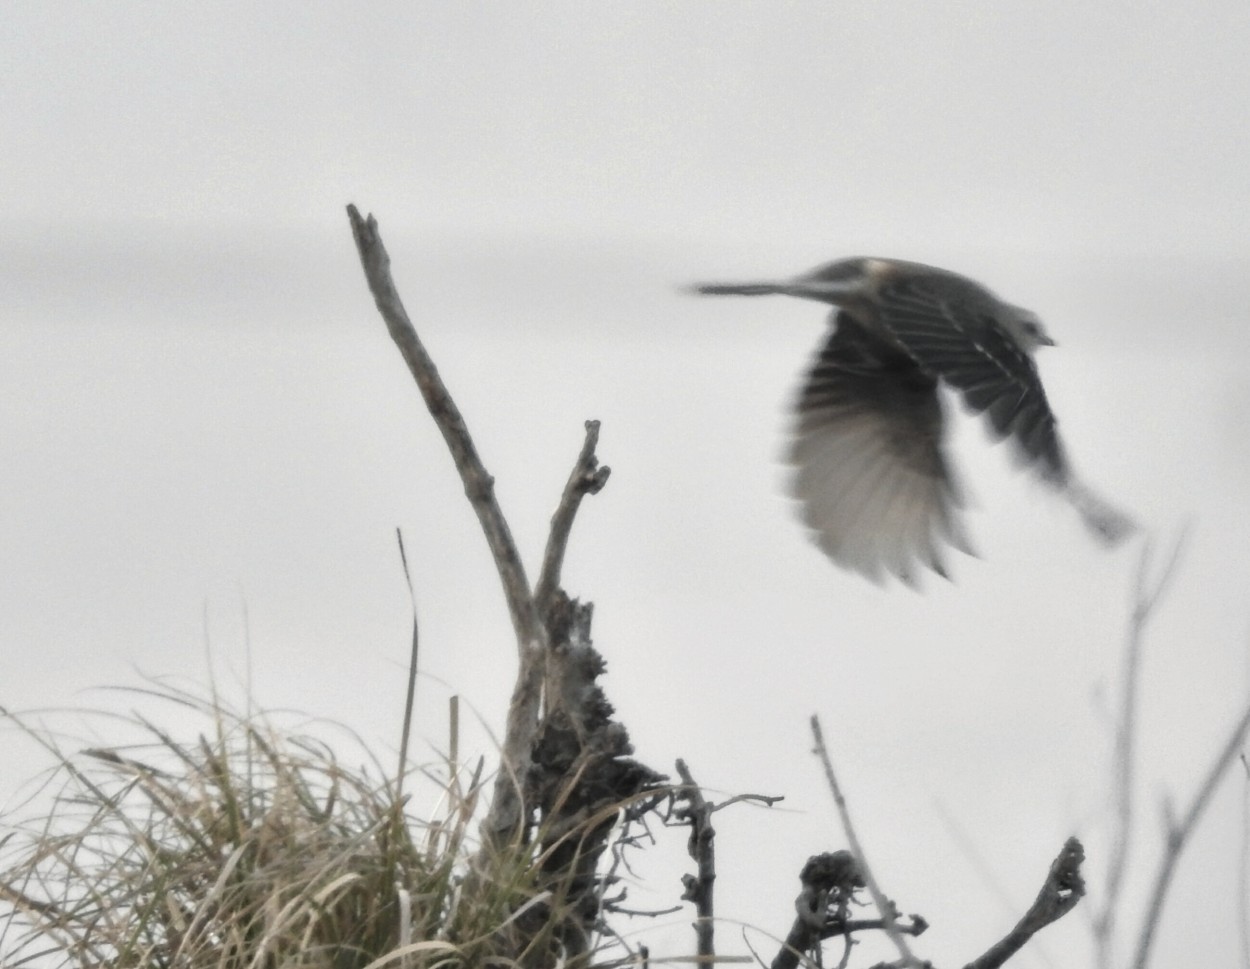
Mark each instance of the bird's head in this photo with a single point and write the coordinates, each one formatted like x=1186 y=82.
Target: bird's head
x=1029 y=329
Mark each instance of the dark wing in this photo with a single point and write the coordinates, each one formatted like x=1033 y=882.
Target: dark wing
x=869 y=466
x=949 y=329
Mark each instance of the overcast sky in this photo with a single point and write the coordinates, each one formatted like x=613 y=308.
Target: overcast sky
x=202 y=418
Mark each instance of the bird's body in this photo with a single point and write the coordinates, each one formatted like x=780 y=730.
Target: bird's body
x=868 y=448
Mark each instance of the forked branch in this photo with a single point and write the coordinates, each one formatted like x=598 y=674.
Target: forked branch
x=509 y=814
x=1059 y=894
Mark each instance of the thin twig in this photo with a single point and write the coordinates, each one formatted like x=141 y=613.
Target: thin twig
x=884 y=905
x=913 y=925
x=768 y=800
x=1059 y=894
x=586 y=478
x=1177 y=835
x=1125 y=757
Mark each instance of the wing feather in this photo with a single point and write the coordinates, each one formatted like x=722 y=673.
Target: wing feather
x=946 y=324
x=870 y=469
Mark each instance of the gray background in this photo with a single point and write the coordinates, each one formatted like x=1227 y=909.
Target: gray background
x=207 y=436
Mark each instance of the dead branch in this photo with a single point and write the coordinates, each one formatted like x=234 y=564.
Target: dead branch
x=586 y=478
x=509 y=816
x=699 y=888
x=884 y=906
x=1125 y=757
x=479 y=486
x=1177 y=834
x=568 y=762
x=1059 y=894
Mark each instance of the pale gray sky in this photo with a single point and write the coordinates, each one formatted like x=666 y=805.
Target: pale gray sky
x=198 y=405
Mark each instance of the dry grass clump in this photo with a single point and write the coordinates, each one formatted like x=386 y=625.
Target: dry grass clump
x=253 y=847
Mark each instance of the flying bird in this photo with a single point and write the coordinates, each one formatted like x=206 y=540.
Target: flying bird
x=871 y=468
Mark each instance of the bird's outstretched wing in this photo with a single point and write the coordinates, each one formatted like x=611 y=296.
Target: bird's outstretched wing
x=869 y=466
x=954 y=336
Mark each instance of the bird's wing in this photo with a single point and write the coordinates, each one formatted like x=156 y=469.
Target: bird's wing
x=958 y=339
x=869 y=465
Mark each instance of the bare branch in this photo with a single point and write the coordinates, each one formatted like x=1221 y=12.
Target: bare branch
x=1125 y=757
x=508 y=813
x=768 y=800
x=884 y=905
x=1178 y=833
x=479 y=486
x=587 y=478
x=1059 y=894
x=913 y=925
x=702 y=846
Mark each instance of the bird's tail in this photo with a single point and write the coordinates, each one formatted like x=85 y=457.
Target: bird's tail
x=740 y=289
x=1109 y=525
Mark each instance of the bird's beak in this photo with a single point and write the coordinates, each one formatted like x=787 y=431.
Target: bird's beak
x=739 y=289
x=823 y=290
x=834 y=291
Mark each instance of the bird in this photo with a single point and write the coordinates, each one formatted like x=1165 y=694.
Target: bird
x=871 y=468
